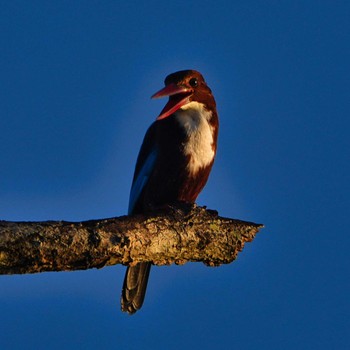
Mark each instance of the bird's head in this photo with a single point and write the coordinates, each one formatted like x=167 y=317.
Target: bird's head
x=182 y=88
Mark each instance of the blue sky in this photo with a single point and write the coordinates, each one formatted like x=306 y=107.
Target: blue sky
x=77 y=77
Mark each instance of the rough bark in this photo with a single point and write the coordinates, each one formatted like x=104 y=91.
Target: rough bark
x=173 y=236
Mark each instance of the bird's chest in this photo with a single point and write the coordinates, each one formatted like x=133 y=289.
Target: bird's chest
x=185 y=153
x=197 y=142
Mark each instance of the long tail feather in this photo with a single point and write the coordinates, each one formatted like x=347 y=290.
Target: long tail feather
x=134 y=287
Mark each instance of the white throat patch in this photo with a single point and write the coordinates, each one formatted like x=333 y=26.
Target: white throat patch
x=194 y=118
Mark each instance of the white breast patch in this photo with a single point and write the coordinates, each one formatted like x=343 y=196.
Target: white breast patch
x=195 y=120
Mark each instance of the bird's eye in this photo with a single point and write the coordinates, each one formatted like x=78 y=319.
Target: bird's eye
x=193 y=82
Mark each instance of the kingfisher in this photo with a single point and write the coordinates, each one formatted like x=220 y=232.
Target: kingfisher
x=174 y=161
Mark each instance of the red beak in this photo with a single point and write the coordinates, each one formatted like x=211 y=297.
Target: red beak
x=179 y=97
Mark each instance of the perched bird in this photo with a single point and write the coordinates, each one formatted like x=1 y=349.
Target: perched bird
x=174 y=162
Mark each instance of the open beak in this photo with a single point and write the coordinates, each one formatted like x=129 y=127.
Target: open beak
x=178 y=97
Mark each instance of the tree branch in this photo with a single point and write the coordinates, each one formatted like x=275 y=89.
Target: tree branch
x=187 y=233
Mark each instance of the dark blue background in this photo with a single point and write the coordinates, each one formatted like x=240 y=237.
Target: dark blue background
x=76 y=77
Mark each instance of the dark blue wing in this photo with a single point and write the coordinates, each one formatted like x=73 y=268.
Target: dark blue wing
x=144 y=166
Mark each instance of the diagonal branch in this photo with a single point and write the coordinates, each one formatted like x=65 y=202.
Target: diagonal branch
x=173 y=236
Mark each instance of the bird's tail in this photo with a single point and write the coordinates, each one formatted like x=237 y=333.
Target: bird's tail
x=134 y=287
